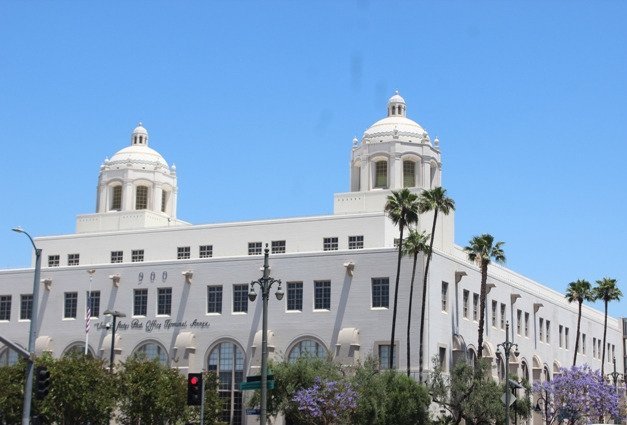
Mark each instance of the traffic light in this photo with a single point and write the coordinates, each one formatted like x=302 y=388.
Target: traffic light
x=42 y=382
x=194 y=389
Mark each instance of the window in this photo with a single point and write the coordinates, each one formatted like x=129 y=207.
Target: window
x=254 y=248
x=183 y=253
x=153 y=351
x=307 y=348
x=5 y=307
x=164 y=301
x=73 y=259
x=548 y=331
x=526 y=324
x=205 y=251
x=355 y=242
x=475 y=307
x=494 y=316
x=93 y=302
x=541 y=326
x=598 y=348
x=594 y=348
x=383 y=350
x=294 y=296
x=444 y=296
x=561 y=335
x=503 y=316
x=214 y=299
x=164 y=200
x=442 y=358
x=141 y=198
x=140 y=302
x=240 y=298
x=227 y=359
x=380 y=292
x=137 y=255
x=583 y=344
x=278 y=247
x=519 y=322
x=409 y=174
x=465 y=303
x=566 y=338
x=381 y=175
x=322 y=295
x=329 y=244
x=26 y=307
x=53 y=261
x=117 y=256
x=116 y=198
x=71 y=299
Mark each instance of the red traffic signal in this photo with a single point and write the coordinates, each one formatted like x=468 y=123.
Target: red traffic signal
x=194 y=389
x=193 y=380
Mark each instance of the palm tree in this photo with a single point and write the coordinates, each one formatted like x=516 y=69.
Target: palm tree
x=579 y=291
x=482 y=250
x=415 y=243
x=606 y=290
x=402 y=208
x=430 y=200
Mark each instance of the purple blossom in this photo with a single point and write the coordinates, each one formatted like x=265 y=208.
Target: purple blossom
x=327 y=402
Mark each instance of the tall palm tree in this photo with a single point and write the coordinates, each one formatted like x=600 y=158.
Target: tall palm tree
x=482 y=249
x=415 y=243
x=402 y=208
x=430 y=200
x=606 y=290
x=579 y=291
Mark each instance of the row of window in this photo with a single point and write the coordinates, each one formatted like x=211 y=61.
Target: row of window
x=206 y=251
x=381 y=174
x=141 y=198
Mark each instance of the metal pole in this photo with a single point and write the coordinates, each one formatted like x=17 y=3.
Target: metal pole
x=88 y=306
x=265 y=292
x=506 y=349
x=112 y=345
x=202 y=398
x=32 y=335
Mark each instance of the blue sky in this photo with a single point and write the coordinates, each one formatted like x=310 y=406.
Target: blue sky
x=257 y=103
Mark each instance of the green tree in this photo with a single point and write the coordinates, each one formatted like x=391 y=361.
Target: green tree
x=606 y=290
x=12 y=384
x=150 y=393
x=482 y=249
x=415 y=243
x=579 y=291
x=430 y=200
x=402 y=208
x=213 y=403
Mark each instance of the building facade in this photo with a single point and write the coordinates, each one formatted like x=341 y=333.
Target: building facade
x=184 y=288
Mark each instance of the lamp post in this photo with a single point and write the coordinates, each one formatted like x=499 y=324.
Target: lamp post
x=507 y=348
x=545 y=403
x=265 y=283
x=32 y=335
x=615 y=375
x=115 y=314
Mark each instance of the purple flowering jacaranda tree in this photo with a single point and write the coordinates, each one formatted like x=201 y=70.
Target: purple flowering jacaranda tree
x=326 y=402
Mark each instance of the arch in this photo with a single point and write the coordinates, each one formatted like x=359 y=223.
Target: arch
x=537 y=363
x=488 y=349
x=152 y=350
x=459 y=343
x=500 y=367
x=524 y=369
x=77 y=348
x=546 y=373
x=227 y=358
x=557 y=366
x=471 y=354
x=8 y=356
x=306 y=346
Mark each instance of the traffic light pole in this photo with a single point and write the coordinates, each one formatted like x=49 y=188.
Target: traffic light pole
x=202 y=399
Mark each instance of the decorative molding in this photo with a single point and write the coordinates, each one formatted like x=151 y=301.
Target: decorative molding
x=47 y=283
x=350 y=267
x=537 y=306
x=459 y=275
x=513 y=297
x=115 y=279
x=188 y=275
x=488 y=287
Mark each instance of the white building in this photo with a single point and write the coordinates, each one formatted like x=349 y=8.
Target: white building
x=184 y=287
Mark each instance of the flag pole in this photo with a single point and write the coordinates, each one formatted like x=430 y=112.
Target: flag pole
x=88 y=311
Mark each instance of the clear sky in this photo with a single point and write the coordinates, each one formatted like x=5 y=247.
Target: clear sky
x=257 y=103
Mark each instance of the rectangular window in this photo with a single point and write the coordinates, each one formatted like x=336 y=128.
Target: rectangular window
x=5 y=307
x=566 y=338
x=240 y=298
x=583 y=344
x=254 y=248
x=329 y=244
x=548 y=331
x=93 y=302
x=164 y=301
x=116 y=198
x=26 y=307
x=53 y=260
x=380 y=292
x=140 y=302
x=71 y=299
x=183 y=253
x=278 y=247
x=322 y=295
x=355 y=242
x=214 y=299
x=442 y=358
x=384 y=356
x=495 y=306
x=294 y=296
x=205 y=251
x=526 y=324
x=381 y=175
x=409 y=174
x=599 y=348
x=541 y=326
x=137 y=255
x=503 y=316
x=117 y=256
x=141 y=198
x=561 y=336
x=444 y=296
x=465 y=303
x=164 y=200
x=73 y=259
x=475 y=307
x=519 y=322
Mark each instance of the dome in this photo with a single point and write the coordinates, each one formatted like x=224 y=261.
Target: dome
x=396 y=99
x=138 y=154
x=140 y=129
x=396 y=126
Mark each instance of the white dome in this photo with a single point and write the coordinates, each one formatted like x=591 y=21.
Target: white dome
x=396 y=99
x=394 y=128
x=140 y=155
x=140 y=129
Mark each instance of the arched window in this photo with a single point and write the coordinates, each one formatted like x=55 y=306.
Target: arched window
x=472 y=356
x=8 y=357
x=307 y=348
x=141 y=198
x=152 y=351
x=116 y=198
x=381 y=175
x=500 y=367
x=409 y=174
x=525 y=370
x=547 y=374
x=164 y=200
x=228 y=359
x=78 y=348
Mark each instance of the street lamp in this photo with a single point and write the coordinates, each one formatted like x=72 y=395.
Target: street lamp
x=507 y=348
x=545 y=404
x=115 y=314
x=615 y=375
x=265 y=283
x=32 y=335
